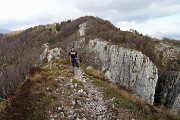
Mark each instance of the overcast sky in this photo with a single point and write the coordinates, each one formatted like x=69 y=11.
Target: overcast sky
x=152 y=17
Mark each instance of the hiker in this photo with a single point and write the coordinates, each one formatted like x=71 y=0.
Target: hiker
x=73 y=56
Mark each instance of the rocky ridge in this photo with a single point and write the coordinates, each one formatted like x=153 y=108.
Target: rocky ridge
x=126 y=67
x=77 y=98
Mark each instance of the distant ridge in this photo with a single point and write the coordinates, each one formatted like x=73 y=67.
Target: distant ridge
x=160 y=35
x=4 y=31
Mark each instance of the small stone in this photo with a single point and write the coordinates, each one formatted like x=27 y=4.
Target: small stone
x=78 y=102
x=113 y=106
x=73 y=103
x=69 y=116
x=97 y=113
x=62 y=114
x=75 y=85
x=112 y=99
x=60 y=109
x=74 y=91
x=83 y=80
x=89 y=67
x=85 y=93
x=80 y=91
x=49 y=89
x=71 y=86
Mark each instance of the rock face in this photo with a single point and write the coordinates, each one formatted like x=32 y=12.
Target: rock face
x=82 y=28
x=176 y=105
x=45 y=49
x=49 y=54
x=126 y=67
x=168 y=90
x=53 y=53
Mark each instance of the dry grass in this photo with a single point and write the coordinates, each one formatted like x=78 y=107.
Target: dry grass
x=3 y=105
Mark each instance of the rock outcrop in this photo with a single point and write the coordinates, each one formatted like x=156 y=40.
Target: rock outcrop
x=168 y=90
x=132 y=69
x=49 y=54
x=176 y=105
x=53 y=54
x=82 y=28
x=44 y=49
x=126 y=67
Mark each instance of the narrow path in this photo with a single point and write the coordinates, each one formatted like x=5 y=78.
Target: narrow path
x=76 y=98
x=95 y=103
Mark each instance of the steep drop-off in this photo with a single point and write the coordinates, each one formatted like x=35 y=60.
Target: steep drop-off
x=126 y=67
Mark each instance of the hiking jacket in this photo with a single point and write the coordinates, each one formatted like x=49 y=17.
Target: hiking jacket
x=73 y=54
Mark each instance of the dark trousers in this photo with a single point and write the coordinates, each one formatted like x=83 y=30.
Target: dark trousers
x=74 y=62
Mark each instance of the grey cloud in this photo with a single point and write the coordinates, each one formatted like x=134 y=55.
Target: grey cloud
x=129 y=10
x=168 y=35
x=113 y=10
x=15 y=23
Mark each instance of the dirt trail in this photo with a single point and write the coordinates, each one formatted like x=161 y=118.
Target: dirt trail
x=95 y=103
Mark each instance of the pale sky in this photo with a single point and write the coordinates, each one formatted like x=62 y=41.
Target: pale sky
x=153 y=17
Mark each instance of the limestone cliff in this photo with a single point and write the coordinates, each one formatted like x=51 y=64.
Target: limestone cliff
x=126 y=67
x=133 y=69
x=176 y=105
